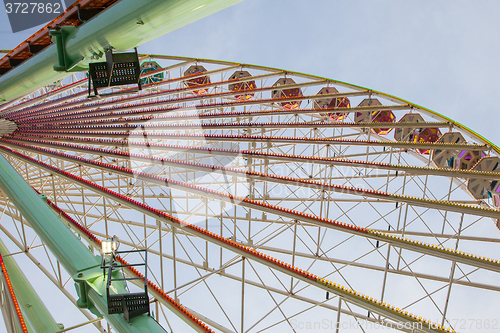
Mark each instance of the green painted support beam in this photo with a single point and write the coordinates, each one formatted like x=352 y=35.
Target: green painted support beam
x=38 y=318
x=74 y=256
x=123 y=26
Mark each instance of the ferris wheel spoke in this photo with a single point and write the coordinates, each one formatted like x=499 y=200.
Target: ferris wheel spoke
x=47 y=106
x=83 y=106
x=280 y=157
x=67 y=135
x=151 y=115
x=250 y=282
x=28 y=104
x=435 y=204
x=155 y=290
x=381 y=268
x=404 y=243
x=120 y=108
x=38 y=260
x=301 y=275
x=118 y=117
x=268 y=177
x=304 y=255
x=213 y=126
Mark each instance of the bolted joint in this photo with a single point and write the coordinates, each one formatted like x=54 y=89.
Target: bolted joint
x=60 y=37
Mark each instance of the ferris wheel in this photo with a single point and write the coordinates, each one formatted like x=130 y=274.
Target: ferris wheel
x=267 y=200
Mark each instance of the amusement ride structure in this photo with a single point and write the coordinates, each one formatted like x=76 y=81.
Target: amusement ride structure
x=172 y=194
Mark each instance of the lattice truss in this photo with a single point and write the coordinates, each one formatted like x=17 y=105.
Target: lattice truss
x=266 y=170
